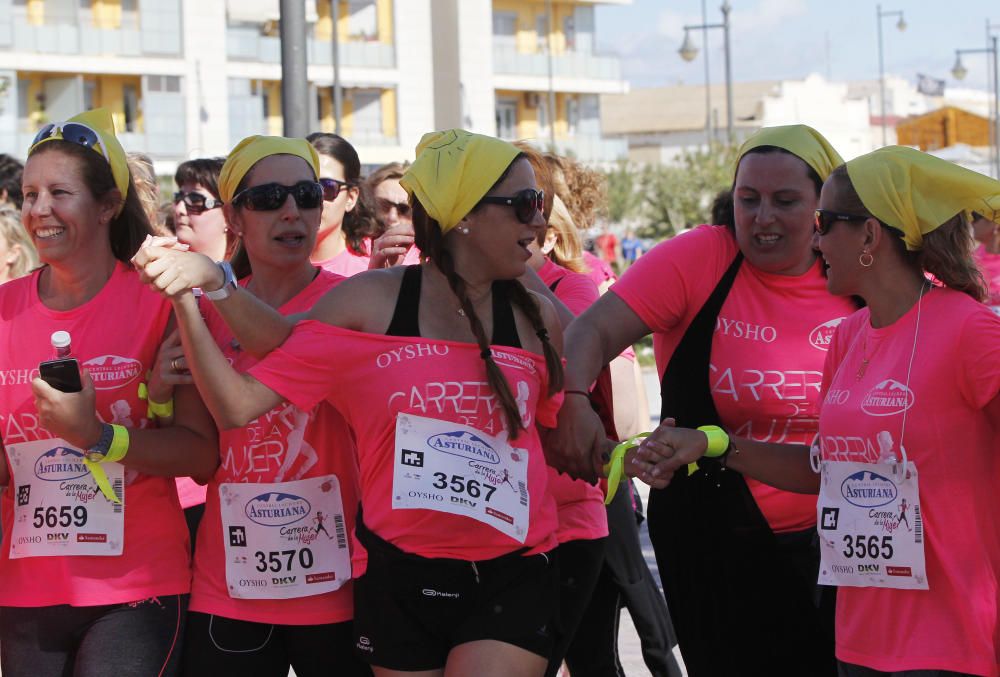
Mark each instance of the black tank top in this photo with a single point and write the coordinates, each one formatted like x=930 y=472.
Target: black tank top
x=405 y=316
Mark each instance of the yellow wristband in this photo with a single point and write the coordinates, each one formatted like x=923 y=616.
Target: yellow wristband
x=718 y=440
x=614 y=469
x=155 y=409
x=116 y=452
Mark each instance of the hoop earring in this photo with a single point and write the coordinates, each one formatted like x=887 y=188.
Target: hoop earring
x=866 y=263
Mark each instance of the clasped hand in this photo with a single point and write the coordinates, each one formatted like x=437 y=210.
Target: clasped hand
x=168 y=267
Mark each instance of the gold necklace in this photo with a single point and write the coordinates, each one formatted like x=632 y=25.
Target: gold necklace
x=864 y=359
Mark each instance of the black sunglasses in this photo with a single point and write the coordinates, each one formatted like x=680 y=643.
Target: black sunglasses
x=333 y=187
x=825 y=219
x=386 y=206
x=526 y=203
x=270 y=196
x=196 y=203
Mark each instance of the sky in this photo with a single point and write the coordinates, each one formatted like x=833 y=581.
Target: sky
x=789 y=39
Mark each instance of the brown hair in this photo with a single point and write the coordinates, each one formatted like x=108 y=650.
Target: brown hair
x=129 y=228
x=430 y=240
x=140 y=166
x=204 y=171
x=391 y=171
x=14 y=233
x=582 y=189
x=947 y=252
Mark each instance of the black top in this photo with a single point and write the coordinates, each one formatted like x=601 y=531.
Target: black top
x=405 y=316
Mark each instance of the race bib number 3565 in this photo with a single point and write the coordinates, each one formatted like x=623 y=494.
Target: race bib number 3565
x=453 y=468
x=58 y=509
x=870 y=528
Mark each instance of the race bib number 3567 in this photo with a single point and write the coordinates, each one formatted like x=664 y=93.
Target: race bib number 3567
x=453 y=468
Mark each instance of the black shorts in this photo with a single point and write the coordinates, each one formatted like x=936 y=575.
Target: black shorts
x=410 y=611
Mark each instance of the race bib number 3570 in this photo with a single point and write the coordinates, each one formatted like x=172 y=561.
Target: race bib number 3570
x=453 y=468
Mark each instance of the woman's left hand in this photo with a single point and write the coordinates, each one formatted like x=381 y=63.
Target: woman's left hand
x=174 y=272
x=71 y=416
x=667 y=449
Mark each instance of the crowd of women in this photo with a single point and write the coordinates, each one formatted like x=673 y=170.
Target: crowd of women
x=360 y=425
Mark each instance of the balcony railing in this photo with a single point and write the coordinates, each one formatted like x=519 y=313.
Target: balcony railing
x=590 y=148
x=89 y=41
x=508 y=61
x=247 y=44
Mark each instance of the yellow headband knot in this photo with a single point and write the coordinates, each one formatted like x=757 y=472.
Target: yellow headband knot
x=915 y=192
x=252 y=150
x=453 y=171
x=100 y=120
x=802 y=141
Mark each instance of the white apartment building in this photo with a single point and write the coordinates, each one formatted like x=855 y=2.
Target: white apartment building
x=189 y=78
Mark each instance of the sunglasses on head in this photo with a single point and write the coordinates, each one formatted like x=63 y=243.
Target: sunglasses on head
x=196 y=203
x=825 y=219
x=270 y=196
x=526 y=203
x=74 y=132
x=385 y=206
x=333 y=187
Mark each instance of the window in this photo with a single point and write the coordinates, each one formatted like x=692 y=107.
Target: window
x=367 y=113
x=362 y=19
x=505 y=29
x=542 y=31
x=89 y=95
x=130 y=102
x=506 y=118
x=569 y=30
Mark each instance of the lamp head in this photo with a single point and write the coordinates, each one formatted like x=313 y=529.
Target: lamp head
x=901 y=24
x=688 y=51
x=959 y=71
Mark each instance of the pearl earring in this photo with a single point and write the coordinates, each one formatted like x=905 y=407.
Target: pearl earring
x=464 y=230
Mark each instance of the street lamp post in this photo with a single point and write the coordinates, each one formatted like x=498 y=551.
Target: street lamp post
x=688 y=52
x=959 y=71
x=901 y=25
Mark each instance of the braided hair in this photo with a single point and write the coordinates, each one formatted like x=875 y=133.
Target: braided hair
x=430 y=241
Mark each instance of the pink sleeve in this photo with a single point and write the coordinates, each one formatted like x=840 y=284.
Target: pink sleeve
x=835 y=354
x=675 y=274
x=577 y=291
x=307 y=366
x=547 y=410
x=979 y=355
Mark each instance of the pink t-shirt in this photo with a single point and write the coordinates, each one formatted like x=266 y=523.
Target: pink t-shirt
x=117 y=348
x=599 y=270
x=348 y=264
x=768 y=349
x=955 y=375
x=989 y=265
x=581 y=505
x=371 y=378
x=189 y=492
x=285 y=444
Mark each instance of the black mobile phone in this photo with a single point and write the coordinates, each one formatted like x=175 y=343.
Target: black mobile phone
x=62 y=374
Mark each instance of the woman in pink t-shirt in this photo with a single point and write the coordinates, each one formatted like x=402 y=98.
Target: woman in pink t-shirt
x=740 y=319
x=95 y=566
x=443 y=373
x=987 y=234
x=907 y=442
x=273 y=592
x=343 y=244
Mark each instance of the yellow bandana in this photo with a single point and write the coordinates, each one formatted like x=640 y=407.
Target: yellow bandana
x=916 y=192
x=99 y=120
x=802 y=141
x=454 y=169
x=252 y=150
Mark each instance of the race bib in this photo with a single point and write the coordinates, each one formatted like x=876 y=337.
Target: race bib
x=284 y=539
x=870 y=529
x=453 y=468
x=58 y=509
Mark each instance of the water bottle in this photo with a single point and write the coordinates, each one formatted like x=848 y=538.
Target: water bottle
x=61 y=344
